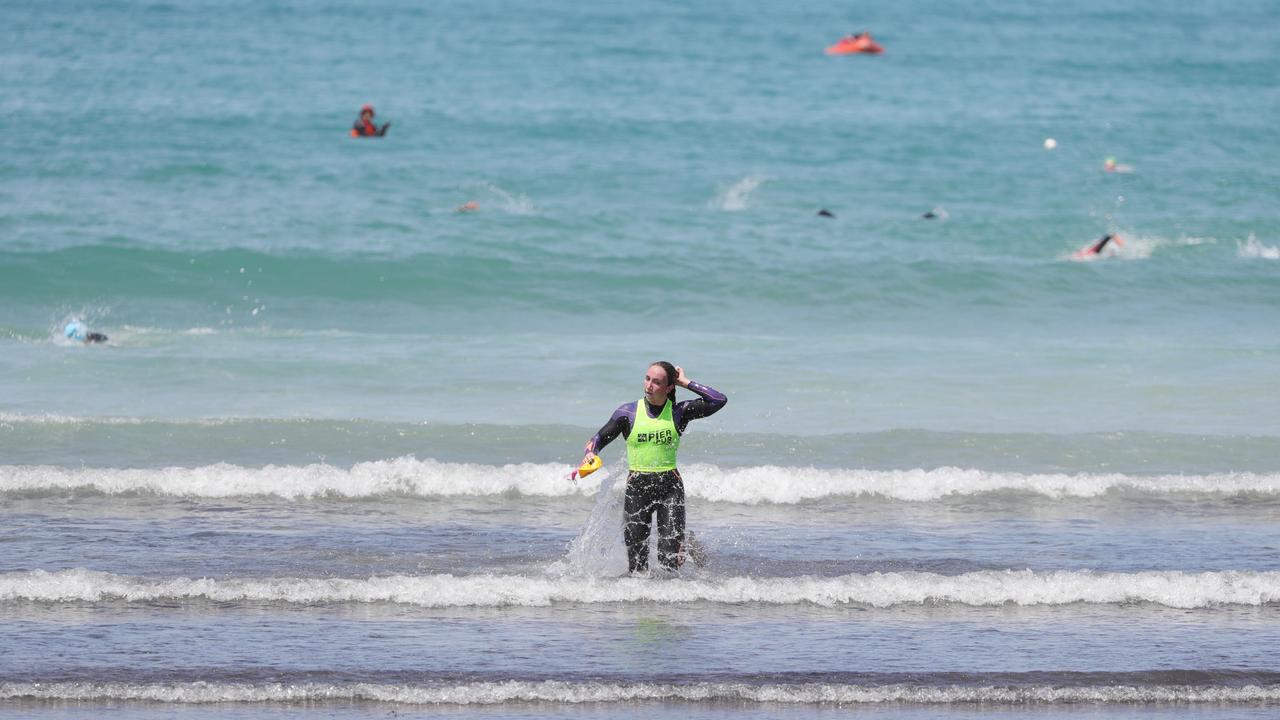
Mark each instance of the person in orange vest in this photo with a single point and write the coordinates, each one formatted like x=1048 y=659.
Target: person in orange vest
x=366 y=127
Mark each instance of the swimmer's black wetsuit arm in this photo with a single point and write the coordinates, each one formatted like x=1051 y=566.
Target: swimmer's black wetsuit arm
x=619 y=424
x=708 y=402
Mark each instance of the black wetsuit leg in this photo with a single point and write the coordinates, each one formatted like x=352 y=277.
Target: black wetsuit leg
x=647 y=494
x=671 y=522
x=638 y=504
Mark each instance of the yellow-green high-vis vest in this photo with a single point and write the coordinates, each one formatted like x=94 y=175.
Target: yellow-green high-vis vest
x=653 y=442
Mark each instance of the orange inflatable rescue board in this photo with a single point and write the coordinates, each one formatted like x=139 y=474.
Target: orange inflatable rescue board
x=855 y=44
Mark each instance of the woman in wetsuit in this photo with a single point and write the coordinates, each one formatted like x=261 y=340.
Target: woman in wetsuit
x=652 y=427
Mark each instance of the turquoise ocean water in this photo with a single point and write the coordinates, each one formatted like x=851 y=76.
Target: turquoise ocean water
x=318 y=467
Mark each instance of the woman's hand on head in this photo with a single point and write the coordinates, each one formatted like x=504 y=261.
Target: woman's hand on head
x=681 y=379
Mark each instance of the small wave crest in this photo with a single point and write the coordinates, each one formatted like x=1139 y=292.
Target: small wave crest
x=748 y=485
x=985 y=588
x=401 y=476
x=785 y=485
x=56 y=419
x=737 y=196
x=564 y=692
x=512 y=204
x=1255 y=250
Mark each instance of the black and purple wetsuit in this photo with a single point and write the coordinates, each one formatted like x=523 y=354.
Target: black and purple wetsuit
x=708 y=402
x=660 y=493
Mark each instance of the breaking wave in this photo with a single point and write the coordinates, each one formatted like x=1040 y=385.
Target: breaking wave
x=986 y=588
x=737 y=196
x=408 y=476
x=1253 y=249
x=558 y=691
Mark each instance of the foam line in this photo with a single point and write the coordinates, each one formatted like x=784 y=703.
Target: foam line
x=1175 y=589
x=749 y=485
x=555 y=691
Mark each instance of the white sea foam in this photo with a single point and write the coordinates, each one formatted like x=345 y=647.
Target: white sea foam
x=1253 y=249
x=747 y=485
x=56 y=419
x=977 y=589
x=737 y=196
x=558 y=691
x=508 y=202
x=793 y=485
x=401 y=476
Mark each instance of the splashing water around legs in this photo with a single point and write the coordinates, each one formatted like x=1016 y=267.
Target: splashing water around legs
x=598 y=551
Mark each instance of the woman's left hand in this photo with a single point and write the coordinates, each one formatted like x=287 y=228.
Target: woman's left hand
x=681 y=379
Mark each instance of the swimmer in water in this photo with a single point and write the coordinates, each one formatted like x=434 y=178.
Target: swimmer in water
x=1110 y=165
x=826 y=213
x=652 y=427
x=468 y=206
x=366 y=127
x=76 y=331
x=1095 y=249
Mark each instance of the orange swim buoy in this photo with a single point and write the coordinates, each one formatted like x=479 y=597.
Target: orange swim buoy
x=855 y=44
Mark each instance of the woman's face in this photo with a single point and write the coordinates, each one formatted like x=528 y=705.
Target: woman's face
x=656 y=385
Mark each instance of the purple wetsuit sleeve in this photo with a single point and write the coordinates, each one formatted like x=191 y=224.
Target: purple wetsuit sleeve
x=619 y=424
x=708 y=402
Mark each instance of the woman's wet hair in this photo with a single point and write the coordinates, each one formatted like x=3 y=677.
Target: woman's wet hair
x=671 y=378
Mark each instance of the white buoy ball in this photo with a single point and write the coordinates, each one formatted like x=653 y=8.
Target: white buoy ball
x=1050 y=143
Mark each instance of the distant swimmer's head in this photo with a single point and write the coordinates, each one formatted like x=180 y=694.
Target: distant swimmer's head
x=1109 y=164
x=367 y=110
x=74 y=331
x=826 y=213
